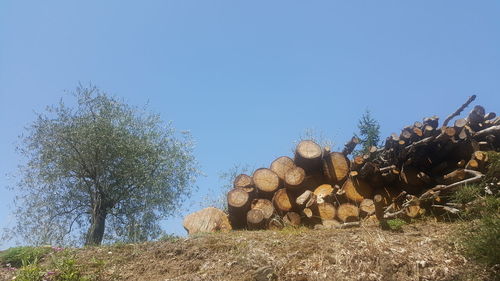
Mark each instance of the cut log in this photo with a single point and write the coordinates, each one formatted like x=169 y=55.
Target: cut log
x=476 y=117
x=455 y=176
x=266 y=181
x=367 y=207
x=349 y=147
x=238 y=202
x=472 y=165
x=307 y=212
x=275 y=223
x=413 y=211
x=308 y=156
x=379 y=204
x=357 y=162
x=357 y=190
x=348 y=212
x=265 y=206
x=256 y=219
x=207 y=220
x=292 y=218
x=294 y=178
x=281 y=165
x=304 y=198
x=283 y=201
x=323 y=191
x=335 y=166
x=244 y=182
x=325 y=211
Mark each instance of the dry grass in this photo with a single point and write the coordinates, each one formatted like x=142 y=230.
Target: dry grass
x=420 y=252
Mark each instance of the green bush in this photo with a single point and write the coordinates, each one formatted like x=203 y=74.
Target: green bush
x=396 y=224
x=31 y=272
x=18 y=256
x=482 y=241
x=66 y=269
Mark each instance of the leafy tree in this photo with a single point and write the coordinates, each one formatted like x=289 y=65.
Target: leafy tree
x=100 y=168
x=369 y=132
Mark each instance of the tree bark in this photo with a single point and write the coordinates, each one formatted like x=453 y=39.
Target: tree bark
x=97 y=226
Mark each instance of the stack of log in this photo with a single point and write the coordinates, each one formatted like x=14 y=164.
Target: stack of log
x=413 y=172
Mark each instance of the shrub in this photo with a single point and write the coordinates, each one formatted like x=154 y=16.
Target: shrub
x=481 y=241
x=396 y=224
x=18 y=256
x=31 y=272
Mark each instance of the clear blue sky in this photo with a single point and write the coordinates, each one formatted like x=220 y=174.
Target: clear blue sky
x=248 y=77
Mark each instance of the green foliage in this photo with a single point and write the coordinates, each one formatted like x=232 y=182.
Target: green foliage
x=18 y=256
x=369 y=132
x=396 y=224
x=170 y=238
x=466 y=194
x=481 y=240
x=66 y=269
x=31 y=272
x=100 y=161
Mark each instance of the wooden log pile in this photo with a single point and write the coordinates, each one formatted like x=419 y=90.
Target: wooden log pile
x=412 y=172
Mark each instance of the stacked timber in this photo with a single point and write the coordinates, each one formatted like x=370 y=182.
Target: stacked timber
x=412 y=172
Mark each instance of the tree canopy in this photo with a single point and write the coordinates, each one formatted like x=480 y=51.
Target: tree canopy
x=369 y=132
x=100 y=170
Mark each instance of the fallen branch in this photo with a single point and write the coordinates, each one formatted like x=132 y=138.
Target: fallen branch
x=459 y=110
x=476 y=176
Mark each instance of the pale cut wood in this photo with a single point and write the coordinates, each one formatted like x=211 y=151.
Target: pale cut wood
x=304 y=198
x=207 y=220
x=348 y=212
x=335 y=166
x=308 y=155
x=282 y=200
x=292 y=218
x=325 y=211
x=356 y=189
x=378 y=203
x=256 y=219
x=281 y=165
x=265 y=180
x=294 y=178
x=367 y=207
x=244 y=182
x=266 y=206
x=307 y=212
x=323 y=191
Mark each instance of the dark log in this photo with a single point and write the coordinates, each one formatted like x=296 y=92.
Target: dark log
x=459 y=110
x=238 y=202
x=350 y=146
x=292 y=218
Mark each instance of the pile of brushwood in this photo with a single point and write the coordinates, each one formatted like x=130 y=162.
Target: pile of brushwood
x=413 y=173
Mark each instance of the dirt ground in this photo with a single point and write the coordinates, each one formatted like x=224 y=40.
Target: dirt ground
x=424 y=251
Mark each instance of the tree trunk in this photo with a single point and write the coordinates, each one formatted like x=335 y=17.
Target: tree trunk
x=96 y=229
x=244 y=182
x=283 y=201
x=348 y=212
